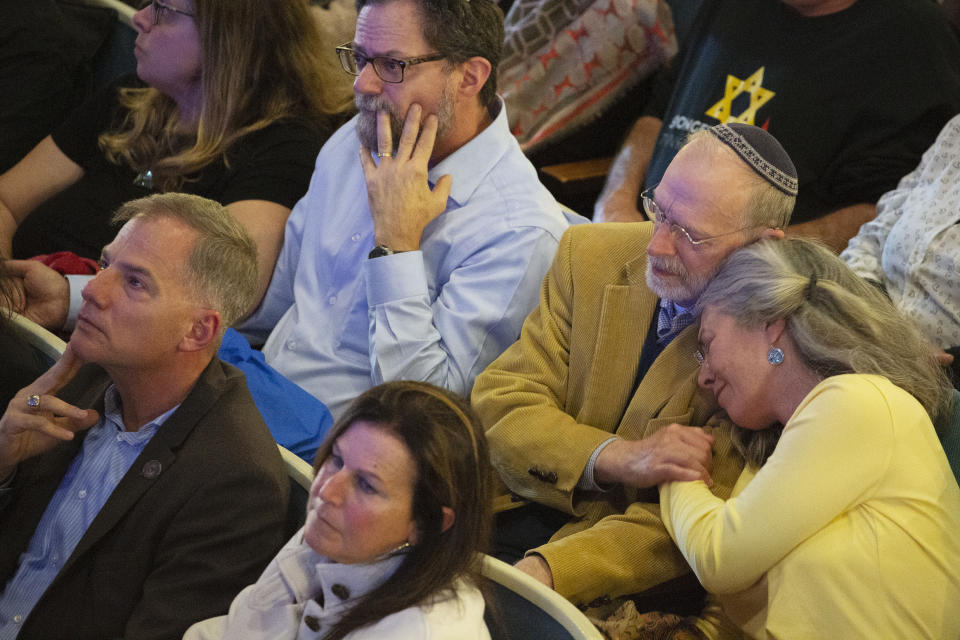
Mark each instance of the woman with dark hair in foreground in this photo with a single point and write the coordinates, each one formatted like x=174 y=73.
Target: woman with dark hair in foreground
x=397 y=514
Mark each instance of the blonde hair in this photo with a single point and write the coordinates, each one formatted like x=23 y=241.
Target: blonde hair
x=262 y=63
x=839 y=322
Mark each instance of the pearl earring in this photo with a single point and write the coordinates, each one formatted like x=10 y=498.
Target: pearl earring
x=775 y=356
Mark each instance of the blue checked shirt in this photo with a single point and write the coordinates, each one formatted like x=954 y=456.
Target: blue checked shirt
x=106 y=455
x=671 y=320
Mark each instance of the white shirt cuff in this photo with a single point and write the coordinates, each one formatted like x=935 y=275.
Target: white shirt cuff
x=587 y=482
x=76 y=284
x=395 y=277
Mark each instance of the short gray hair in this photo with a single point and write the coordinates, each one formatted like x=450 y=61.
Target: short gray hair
x=767 y=206
x=223 y=264
x=839 y=322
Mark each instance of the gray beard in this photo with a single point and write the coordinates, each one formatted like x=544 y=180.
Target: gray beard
x=366 y=125
x=686 y=292
x=367 y=108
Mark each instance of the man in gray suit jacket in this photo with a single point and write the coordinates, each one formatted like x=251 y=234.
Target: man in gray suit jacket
x=139 y=492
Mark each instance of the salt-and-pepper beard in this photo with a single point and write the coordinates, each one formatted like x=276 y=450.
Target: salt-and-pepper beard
x=368 y=106
x=689 y=287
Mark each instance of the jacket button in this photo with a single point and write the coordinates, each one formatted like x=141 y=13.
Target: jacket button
x=534 y=472
x=151 y=469
x=551 y=478
x=312 y=623
x=340 y=591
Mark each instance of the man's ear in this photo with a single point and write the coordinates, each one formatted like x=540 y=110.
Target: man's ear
x=772 y=233
x=475 y=71
x=203 y=331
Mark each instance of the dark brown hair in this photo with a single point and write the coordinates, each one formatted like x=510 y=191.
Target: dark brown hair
x=449 y=451
x=460 y=30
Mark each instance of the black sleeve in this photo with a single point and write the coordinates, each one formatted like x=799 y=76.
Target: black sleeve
x=31 y=108
x=77 y=136
x=871 y=167
x=273 y=164
x=45 y=49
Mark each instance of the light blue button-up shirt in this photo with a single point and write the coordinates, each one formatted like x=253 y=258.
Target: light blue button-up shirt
x=106 y=455
x=441 y=314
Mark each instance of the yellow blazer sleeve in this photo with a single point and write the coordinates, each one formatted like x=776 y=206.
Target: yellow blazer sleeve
x=630 y=552
x=538 y=448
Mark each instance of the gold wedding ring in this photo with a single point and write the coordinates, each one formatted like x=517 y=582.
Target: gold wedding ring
x=385 y=154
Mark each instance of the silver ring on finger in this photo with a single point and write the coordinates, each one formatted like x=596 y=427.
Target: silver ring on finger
x=33 y=401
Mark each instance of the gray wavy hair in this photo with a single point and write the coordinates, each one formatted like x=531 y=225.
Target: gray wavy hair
x=839 y=322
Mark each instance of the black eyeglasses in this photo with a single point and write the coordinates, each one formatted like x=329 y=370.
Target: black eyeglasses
x=160 y=7
x=655 y=213
x=387 y=69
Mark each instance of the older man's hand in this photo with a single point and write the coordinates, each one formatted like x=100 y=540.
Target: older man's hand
x=43 y=294
x=36 y=420
x=401 y=201
x=675 y=452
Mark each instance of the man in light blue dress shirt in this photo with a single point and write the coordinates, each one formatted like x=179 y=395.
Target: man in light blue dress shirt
x=423 y=239
x=140 y=491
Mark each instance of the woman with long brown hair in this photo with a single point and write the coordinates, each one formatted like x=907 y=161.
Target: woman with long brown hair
x=398 y=511
x=231 y=103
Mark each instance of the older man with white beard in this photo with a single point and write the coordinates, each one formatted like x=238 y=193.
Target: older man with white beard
x=586 y=413
x=418 y=249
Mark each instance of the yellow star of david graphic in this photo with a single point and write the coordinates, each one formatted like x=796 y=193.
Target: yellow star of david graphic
x=735 y=86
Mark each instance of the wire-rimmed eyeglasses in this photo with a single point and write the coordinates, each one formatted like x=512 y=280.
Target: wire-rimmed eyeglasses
x=655 y=213
x=387 y=69
x=158 y=9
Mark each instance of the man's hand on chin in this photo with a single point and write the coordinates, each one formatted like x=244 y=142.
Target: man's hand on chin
x=36 y=419
x=401 y=201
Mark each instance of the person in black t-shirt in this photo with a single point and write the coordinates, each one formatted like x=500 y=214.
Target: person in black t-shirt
x=46 y=48
x=855 y=91
x=230 y=105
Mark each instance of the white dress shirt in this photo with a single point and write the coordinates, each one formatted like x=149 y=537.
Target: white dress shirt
x=344 y=323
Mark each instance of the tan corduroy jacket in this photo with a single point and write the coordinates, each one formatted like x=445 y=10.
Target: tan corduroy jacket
x=568 y=384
